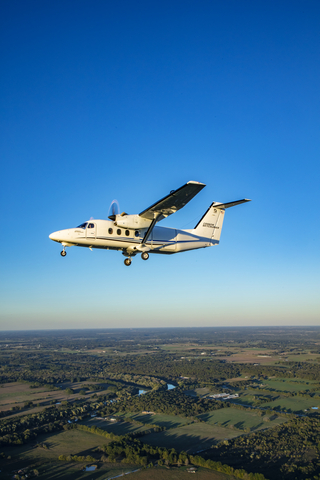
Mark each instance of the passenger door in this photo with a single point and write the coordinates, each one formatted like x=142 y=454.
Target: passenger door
x=91 y=231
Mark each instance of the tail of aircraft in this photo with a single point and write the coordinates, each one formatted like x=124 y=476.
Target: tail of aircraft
x=210 y=225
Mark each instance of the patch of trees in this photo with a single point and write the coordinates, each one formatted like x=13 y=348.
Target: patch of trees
x=287 y=451
x=206 y=369
x=170 y=402
x=131 y=450
x=303 y=370
x=20 y=430
x=76 y=458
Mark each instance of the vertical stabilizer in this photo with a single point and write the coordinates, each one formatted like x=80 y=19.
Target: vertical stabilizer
x=210 y=225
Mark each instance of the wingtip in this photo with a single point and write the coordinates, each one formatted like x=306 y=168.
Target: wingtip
x=196 y=183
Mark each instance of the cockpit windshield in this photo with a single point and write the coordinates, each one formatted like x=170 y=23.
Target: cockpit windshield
x=83 y=225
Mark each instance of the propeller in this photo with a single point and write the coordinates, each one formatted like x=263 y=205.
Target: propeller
x=114 y=210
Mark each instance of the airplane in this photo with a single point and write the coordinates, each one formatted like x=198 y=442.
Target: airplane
x=134 y=234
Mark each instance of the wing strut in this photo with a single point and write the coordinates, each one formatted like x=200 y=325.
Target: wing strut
x=148 y=232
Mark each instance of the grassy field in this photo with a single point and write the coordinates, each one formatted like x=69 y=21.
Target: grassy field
x=168 y=421
x=15 y=394
x=77 y=442
x=69 y=471
x=201 y=392
x=293 y=404
x=240 y=419
x=118 y=428
x=55 y=470
x=73 y=442
x=191 y=438
x=250 y=398
x=162 y=473
x=289 y=385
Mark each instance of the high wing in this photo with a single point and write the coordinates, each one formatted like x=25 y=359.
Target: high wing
x=170 y=204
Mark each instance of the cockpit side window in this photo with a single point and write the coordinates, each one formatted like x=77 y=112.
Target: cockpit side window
x=91 y=225
x=83 y=225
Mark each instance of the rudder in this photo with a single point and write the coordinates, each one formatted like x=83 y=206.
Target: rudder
x=210 y=225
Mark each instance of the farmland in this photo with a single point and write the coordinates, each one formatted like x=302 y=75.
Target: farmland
x=190 y=438
x=244 y=420
x=77 y=398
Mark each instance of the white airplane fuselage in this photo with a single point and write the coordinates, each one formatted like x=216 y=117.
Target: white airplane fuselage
x=138 y=233
x=106 y=235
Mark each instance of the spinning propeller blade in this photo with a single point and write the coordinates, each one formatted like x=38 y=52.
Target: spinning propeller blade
x=114 y=210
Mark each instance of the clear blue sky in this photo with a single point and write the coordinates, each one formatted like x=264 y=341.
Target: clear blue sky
x=130 y=99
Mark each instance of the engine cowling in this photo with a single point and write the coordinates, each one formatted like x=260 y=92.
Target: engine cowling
x=134 y=222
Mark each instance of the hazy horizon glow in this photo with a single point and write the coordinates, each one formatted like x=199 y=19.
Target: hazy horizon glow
x=130 y=100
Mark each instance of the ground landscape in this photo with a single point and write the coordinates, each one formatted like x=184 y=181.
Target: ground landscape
x=223 y=403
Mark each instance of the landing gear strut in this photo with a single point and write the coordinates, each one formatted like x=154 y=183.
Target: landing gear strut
x=144 y=255
x=127 y=262
x=63 y=253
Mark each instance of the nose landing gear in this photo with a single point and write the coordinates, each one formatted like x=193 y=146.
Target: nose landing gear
x=63 y=253
x=127 y=262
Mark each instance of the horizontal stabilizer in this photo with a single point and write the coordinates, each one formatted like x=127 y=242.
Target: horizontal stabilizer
x=229 y=204
x=210 y=225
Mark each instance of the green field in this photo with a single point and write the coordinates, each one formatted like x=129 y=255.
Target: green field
x=167 y=421
x=241 y=419
x=191 y=438
x=288 y=385
x=118 y=428
x=174 y=473
x=250 y=398
x=74 y=442
x=293 y=404
x=50 y=470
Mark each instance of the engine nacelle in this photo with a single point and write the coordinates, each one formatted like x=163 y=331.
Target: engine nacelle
x=134 y=222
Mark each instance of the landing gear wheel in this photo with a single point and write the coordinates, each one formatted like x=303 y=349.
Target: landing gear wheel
x=144 y=255
x=127 y=262
x=63 y=253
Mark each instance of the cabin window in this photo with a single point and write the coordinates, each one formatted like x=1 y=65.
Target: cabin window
x=127 y=233
x=110 y=231
x=83 y=225
x=91 y=225
x=136 y=233
x=119 y=231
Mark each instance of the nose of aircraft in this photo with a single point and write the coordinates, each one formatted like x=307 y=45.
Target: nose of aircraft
x=54 y=236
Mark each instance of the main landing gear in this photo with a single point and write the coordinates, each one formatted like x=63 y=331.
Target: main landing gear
x=63 y=253
x=127 y=262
